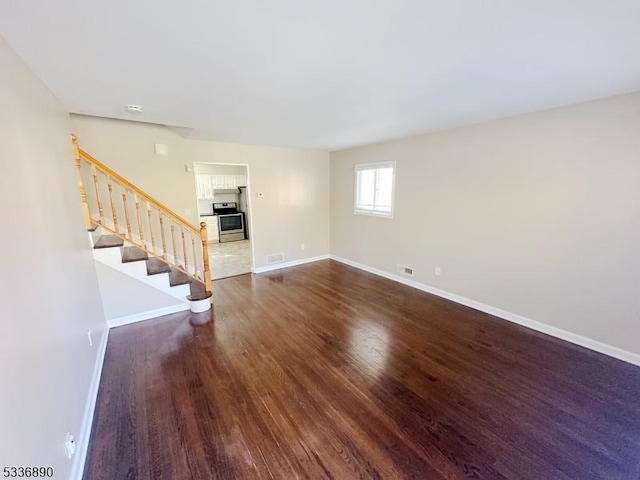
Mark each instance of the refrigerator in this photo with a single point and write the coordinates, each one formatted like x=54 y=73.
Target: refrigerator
x=243 y=206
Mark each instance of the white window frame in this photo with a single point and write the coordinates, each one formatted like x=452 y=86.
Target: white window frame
x=374 y=166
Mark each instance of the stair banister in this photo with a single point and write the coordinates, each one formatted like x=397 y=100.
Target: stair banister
x=197 y=268
x=126 y=214
x=83 y=193
x=153 y=238
x=205 y=254
x=125 y=183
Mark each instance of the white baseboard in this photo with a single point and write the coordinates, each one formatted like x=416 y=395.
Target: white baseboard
x=139 y=317
x=589 y=343
x=77 y=467
x=292 y=263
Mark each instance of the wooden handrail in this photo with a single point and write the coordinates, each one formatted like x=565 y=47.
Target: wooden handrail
x=106 y=170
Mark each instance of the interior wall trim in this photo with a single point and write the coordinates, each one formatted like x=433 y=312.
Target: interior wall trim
x=77 y=469
x=82 y=445
x=139 y=317
x=574 y=338
x=293 y=263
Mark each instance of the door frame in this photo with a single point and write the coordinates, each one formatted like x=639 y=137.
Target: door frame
x=249 y=202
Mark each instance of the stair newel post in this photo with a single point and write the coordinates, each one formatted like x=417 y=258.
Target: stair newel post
x=184 y=249
x=195 y=256
x=205 y=256
x=153 y=237
x=173 y=243
x=126 y=215
x=83 y=193
x=140 y=231
x=113 y=205
x=94 y=174
x=162 y=236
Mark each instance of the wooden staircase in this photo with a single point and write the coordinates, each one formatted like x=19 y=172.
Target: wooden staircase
x=154 y=265
x=143 y=228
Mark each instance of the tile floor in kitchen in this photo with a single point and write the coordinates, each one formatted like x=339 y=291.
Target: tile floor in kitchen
x=229 y=259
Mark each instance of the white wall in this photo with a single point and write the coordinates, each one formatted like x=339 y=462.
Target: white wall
x=48 y=284
x=538 y=215
x=124 y=296
x=295 y=183
x=217 y=169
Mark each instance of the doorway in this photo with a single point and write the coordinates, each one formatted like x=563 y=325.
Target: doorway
x=222 y=191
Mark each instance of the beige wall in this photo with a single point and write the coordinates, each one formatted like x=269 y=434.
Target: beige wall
x=48 y=283
x=295 y=183
x=124 y=296
x=538 y=215
x=218 y=169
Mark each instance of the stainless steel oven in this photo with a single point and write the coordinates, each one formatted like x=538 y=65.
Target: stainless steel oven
x=231 y=226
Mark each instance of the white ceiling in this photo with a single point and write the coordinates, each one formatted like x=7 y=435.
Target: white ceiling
x=325 y=74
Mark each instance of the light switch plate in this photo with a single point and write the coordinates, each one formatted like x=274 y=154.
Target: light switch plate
x=162 y=149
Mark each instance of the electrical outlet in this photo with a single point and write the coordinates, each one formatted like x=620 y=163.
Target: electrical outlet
x=90 y=339
x=302 y=247
x=438 y=271
x=70 y=445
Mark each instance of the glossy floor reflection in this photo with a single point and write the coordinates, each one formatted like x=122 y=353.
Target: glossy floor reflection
x=323 y=371
x=369 y=346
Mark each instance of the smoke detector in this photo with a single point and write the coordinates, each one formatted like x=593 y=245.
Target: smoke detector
x=133 y=108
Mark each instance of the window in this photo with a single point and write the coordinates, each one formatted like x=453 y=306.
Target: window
x=374 y=189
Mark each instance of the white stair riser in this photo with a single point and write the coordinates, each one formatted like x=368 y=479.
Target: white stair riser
x=138 y=270
x=95 y=235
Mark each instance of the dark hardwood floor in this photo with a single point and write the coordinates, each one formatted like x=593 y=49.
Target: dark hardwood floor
x=323 y=371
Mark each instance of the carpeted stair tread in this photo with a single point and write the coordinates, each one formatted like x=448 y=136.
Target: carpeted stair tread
x=108 y=241
x=133 y=254
x=156 y=265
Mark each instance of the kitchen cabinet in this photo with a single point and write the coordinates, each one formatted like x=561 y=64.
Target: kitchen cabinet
x=207 y=183
x=212 y=228
x=204 y=186
x=228 y=181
